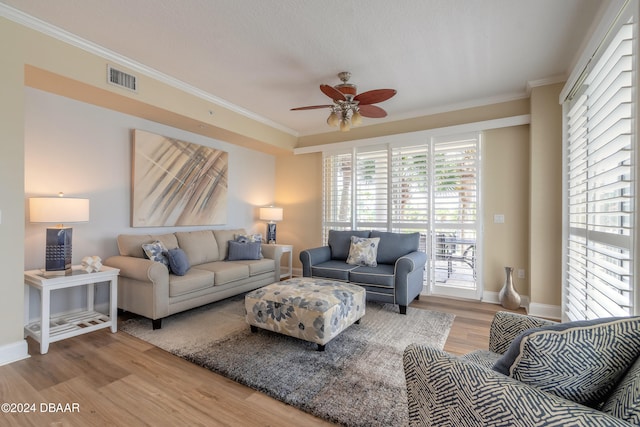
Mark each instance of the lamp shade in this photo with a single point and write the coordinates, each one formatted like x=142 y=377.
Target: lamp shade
x=58 y=209
x=271 y=213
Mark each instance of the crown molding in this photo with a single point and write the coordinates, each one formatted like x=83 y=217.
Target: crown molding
x=560 y=78
x=50 y=30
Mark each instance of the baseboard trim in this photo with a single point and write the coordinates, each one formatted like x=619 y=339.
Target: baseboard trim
x=547 y=311
x=13 y=352
x=493 y=298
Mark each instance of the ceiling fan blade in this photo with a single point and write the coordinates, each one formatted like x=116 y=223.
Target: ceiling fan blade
x=332 y=93
x=311 y=107
x=372 y=111
x=374 y=96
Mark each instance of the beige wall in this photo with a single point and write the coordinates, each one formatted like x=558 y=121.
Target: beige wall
x=11 y=189
x=505 y=190
x=299 y=192
x=546 y=196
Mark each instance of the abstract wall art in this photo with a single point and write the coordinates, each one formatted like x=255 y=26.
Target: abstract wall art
x=177 y=183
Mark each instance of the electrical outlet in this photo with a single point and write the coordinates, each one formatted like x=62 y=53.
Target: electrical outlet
x=521 y=273
x=498 y=219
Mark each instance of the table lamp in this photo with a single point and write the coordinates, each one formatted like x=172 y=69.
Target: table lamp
x=58 y=210
x=271 y=214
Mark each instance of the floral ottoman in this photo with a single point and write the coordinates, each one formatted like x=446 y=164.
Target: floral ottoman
x=315 y=310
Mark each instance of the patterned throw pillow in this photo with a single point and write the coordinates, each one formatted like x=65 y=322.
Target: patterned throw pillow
x=363 y=251
x=580 y=361
x=624 y=402
x=156 y=252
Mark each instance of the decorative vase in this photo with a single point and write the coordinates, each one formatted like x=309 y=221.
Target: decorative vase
x=508 y=296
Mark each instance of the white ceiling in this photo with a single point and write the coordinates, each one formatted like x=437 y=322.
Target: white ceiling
x=268 y=56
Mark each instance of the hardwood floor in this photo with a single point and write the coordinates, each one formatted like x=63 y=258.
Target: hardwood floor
x=105 y=379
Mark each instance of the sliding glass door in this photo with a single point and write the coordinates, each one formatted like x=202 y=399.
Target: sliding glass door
x=429 y=187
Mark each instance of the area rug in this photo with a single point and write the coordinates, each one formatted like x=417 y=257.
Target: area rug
x=357 y=381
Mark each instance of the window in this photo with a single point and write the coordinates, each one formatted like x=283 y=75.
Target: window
x=600 y=183
x=393 y=187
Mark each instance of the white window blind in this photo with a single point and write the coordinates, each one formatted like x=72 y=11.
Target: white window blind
x=337 y=190
x=600 y=185
x=410 y=188
x=372 y=176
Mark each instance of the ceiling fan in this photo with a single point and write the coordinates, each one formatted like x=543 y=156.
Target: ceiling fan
x=348 y=108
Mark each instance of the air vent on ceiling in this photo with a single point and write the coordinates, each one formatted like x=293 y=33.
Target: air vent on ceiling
x=122 y=79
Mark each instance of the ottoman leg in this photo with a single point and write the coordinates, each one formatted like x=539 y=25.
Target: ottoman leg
x=357 y=322
x=254 y=329
x=320 y=347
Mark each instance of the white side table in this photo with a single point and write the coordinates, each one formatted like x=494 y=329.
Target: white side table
x=47 y=329
x=287 y=249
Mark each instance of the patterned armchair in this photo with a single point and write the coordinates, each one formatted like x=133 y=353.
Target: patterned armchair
x=550 y=367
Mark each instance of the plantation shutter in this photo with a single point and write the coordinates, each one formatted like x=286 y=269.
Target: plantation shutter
x=600 y=186
x=455 y=180
x=337 y=190
x=410 y=189
x=372 y=176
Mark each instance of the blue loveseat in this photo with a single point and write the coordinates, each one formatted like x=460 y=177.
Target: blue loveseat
x=396 y=279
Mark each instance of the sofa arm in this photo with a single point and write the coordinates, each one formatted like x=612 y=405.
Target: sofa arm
x=506 y=327
x=411 y=262
x=143 y=286
x=141 y=269
x=309 y=257
x=445 y=390
x=273 y=252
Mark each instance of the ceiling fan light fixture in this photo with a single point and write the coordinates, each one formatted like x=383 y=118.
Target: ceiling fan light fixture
x=345 y=110
x=333 y=120
x=345 y=125
x=356 y=119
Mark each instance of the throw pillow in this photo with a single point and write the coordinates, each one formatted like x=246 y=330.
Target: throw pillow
x=624 y=402
x=363 y=251
x=155 y=252
x=250 y=238
x=178 y=261
x=580 y=361
x=243 y=251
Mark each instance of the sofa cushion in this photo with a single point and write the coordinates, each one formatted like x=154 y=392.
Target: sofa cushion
x=337 y=270
x=200 y=246
x=155 y=251
x=131 y=244
x=340 y=242
x=264 y=265
x=382 y=275
x=222 y=237
x=624 y=402
x=580 y=361
x=168 y=239
x=394 y=245
x=226 y=271
x=363 y=251
x=178 y=262
x=243 y=251
x=194 y=280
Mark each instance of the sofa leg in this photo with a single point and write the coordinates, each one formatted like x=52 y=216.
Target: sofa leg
x=157 y=324
x=418 y=297
x=320 y=347
x=403 y=309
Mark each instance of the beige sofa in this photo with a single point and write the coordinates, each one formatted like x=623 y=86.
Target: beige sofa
x=147 y=287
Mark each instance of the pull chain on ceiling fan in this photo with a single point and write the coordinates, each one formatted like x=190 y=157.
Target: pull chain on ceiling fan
x=348 y=108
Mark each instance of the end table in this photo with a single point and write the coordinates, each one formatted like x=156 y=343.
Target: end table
x=49 y=329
